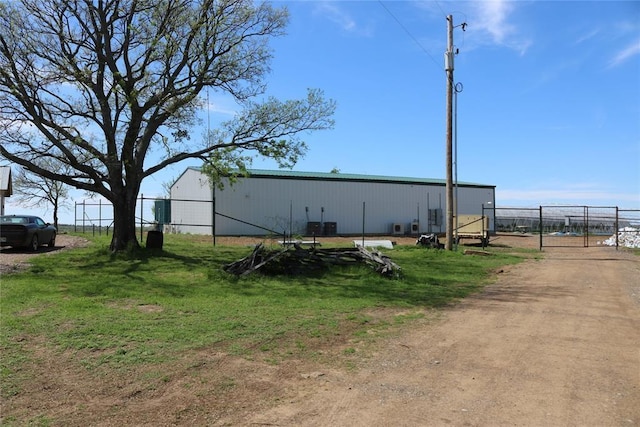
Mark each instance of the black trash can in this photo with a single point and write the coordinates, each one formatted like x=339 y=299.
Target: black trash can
x=155 y=239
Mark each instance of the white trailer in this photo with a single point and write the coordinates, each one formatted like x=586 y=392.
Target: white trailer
x=471 y=227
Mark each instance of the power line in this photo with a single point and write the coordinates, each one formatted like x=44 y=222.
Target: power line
x=441 y=10
x=438 y=64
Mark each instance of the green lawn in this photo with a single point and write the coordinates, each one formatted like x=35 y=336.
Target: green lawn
x=121 y=311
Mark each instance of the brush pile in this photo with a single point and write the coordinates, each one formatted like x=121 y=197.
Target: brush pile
x=296 y=260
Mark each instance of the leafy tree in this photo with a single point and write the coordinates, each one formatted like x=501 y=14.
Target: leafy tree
x=111 y=88
x=32 y=190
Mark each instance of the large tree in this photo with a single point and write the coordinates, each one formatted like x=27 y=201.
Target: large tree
x=111 y=88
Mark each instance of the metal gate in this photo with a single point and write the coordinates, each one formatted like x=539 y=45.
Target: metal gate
x=576 y=226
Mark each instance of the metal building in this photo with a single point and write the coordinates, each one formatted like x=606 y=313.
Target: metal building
x=6 y=189
x=306 y=203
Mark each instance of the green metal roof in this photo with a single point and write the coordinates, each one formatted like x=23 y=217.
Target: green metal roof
x=328 y=176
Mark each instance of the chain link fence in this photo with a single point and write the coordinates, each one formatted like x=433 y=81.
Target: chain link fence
x=568 y=226
x=556 y=226
x=196 y=216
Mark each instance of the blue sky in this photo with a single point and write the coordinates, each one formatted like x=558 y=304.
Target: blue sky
x=550 y=106
x=549 y=112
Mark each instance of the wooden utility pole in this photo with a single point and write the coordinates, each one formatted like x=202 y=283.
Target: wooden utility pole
x=448 y=65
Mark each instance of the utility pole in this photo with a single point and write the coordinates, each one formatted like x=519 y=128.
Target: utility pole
x=448 y=66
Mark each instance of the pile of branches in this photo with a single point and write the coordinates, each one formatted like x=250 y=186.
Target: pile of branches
x=297 y=260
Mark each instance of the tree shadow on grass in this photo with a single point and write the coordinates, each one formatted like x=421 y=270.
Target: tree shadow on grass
x=145 y=273
x=353 y=282
x=141 y=274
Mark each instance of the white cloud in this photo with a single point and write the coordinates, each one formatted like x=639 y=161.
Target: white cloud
x=494 y=19
x=625 y=53
x=493 y=23
x=587 y=36
x=338 y=15
x=220 y=103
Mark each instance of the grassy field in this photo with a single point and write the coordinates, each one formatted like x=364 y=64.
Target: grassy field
x=145 y=308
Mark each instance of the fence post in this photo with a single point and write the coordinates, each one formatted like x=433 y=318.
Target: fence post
x=363 y=216
x=540 y=227
x=585 y=240
x=482 y=219
x=213 y=213
x=617 y=228
x=141 y=217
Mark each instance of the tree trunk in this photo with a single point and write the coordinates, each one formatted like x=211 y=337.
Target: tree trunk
x=55 y=216
x=124 y=222
x=55 y=211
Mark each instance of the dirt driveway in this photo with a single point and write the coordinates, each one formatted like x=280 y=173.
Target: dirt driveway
x=13 y=260
x=556 y=342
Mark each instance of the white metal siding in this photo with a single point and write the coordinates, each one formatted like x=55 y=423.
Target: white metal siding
x=191 y=185
x=285 y=205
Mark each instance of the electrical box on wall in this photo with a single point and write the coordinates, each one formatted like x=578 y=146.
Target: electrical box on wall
x=435 y=216
x=448 y=61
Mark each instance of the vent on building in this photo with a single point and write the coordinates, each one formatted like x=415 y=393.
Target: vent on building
x=415 y=228
x=398 y=228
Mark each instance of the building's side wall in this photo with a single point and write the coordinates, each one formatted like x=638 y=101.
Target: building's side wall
x=287 y=205
x=190 y=216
